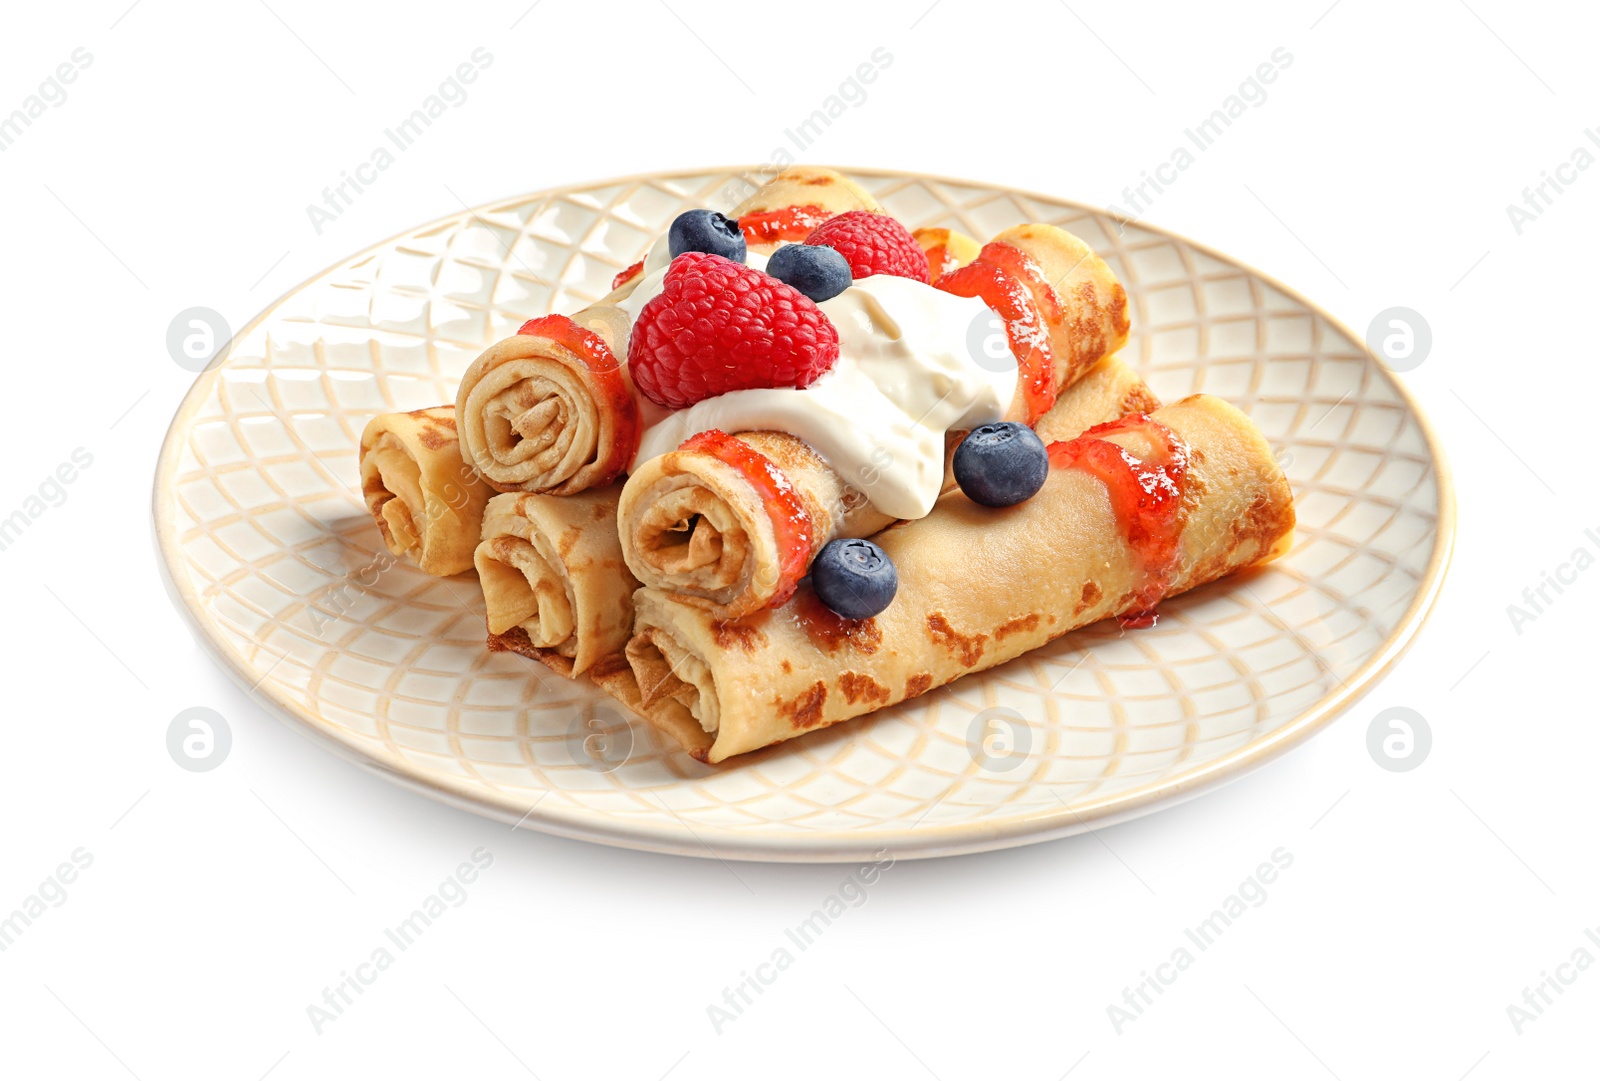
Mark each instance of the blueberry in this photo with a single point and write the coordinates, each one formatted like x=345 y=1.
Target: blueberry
x=706 y=230
x=817 y=271
x=1000 y=464
x=854 y=578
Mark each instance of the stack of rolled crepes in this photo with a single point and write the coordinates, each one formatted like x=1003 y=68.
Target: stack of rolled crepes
x=558 y=591
x=707 y=648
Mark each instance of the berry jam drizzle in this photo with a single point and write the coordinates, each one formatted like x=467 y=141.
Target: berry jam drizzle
x=787 y=223
x=627 y=275
x=613 y=399
x=1146 y=497
x=1009 y=280
x=936 y=245
x=791 y=524
x=830 y=630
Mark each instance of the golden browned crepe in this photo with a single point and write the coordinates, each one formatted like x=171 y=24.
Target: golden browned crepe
x=535 y=416
x=978 y=587
x=553 y=577
x=667 y=715
x=427 y=501
x=695 y=527
x=557 y=592
x=1094 y=320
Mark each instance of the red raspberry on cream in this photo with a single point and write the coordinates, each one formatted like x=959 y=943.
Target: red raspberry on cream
x=873 y=244
x=718 y=326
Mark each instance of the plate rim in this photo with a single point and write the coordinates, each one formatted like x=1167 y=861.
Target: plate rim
x=833 y=846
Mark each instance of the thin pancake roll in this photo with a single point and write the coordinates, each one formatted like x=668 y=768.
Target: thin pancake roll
x=699 y=526
x=554 y=584
x=1061 y=306
x=549 y=409
x=980 y=586
x=696 y=528
x=556 y=591
x=428 y=502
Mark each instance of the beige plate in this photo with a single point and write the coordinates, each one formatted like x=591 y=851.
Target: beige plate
x=261 y=525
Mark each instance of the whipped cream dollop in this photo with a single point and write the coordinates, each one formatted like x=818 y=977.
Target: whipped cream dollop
x=905 y=376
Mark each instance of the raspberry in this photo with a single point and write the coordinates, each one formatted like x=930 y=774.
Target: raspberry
x=872 y=244
x=719 y=326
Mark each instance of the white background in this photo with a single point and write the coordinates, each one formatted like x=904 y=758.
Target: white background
x=219 y=905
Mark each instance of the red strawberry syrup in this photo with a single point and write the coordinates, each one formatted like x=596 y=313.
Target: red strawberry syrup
x=612 y=396
x=1008 y=280
x=1146 y=497
x=791 y=524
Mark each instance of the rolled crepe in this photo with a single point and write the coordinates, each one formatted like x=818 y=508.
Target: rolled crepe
x=557 y=592
x=1062 y=306
x=695 y=525
x=697 y=529
x=550 y=409
x=794 y=202
x=978 y=587
x=554 y=583
x=428 y=502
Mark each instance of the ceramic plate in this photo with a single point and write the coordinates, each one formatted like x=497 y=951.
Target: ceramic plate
x=269 y=549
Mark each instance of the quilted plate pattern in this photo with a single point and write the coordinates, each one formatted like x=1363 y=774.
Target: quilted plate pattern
x=268 y=547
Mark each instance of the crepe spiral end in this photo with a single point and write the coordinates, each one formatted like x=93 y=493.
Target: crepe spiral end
x=730 y=524
x=425 y=499
x=548 y=409
x=554 y=585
